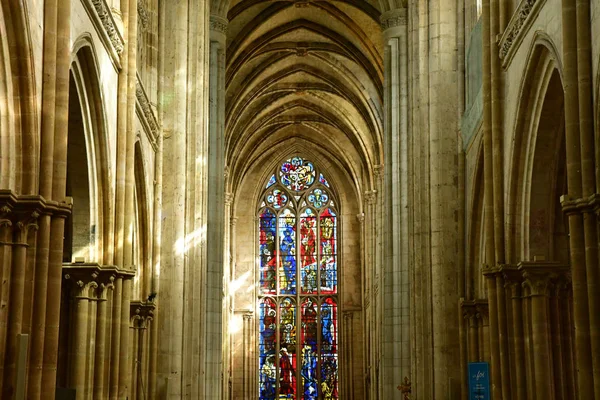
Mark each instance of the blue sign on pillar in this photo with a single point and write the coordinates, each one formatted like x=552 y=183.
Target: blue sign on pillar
x=479 y=381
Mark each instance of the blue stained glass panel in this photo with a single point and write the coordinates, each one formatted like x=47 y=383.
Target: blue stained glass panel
x=287 y=251
x=323 y=180
x=271 y=182
x=268 y=252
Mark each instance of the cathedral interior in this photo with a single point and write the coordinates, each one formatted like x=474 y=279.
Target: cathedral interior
x=300 y=199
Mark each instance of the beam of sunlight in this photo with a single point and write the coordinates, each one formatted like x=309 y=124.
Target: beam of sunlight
x=236 y=284
x=183 y=244
x=236 y=324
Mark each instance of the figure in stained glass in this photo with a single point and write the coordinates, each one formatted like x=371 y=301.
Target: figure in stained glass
x=308 y=251
x=287 y=248
x=287 y=375
x=268 y=251
x=267 y=349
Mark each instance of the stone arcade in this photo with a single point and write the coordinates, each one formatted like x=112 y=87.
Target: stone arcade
x=299 y=199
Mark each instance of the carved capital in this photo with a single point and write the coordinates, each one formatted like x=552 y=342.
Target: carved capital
x=141 y=313
x=394 y=18
x=371 y=196
x=539 y=277
x=218 y=24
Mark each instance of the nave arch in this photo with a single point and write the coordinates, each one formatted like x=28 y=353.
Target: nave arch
x=537 y=176
x=306 y=84
x=18 y=112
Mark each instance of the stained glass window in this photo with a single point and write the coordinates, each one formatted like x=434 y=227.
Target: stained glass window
x=298 y=285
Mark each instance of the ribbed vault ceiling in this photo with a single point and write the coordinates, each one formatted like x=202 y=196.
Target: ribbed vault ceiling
x=309 y=71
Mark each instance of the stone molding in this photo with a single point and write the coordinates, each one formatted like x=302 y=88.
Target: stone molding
x=517 y=27
x=529 y=274
x=392 y=19
x=218 y=24
x=590 y=204
x=26 y=208
x=103 y=275
x=146 y=114
x=106 y=27
x=91 y=280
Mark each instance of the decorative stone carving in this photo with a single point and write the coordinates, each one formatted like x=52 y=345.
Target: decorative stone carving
x=218 y=24
x=518 y=25
x=146 y=114
x=371 y=196
x=108 y=24
x=539 y=277
x=393 y=18
x=143 y=16
x=29 y=222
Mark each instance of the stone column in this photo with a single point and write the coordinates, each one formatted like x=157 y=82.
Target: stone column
x=216 y=214
x=125 y=370
x=396 y=284
x=443 y=185
x=115 y=341
x=173 y=117
x=249 y=389
x=576 y=186
x=16 y=290
x=79 y=330
x=539 y=285
x=59 y=181
x=556 y=342
x=99 y=391
x=520 y=387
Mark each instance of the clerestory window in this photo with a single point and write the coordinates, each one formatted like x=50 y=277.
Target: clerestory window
x=298 y=285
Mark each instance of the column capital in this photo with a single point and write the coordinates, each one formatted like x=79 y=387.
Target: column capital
x=539 y=277
x=469 y=310
x=371 y=196
x=141 y=313
x=393 y=18
x=571 y=205
x=218 y=24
